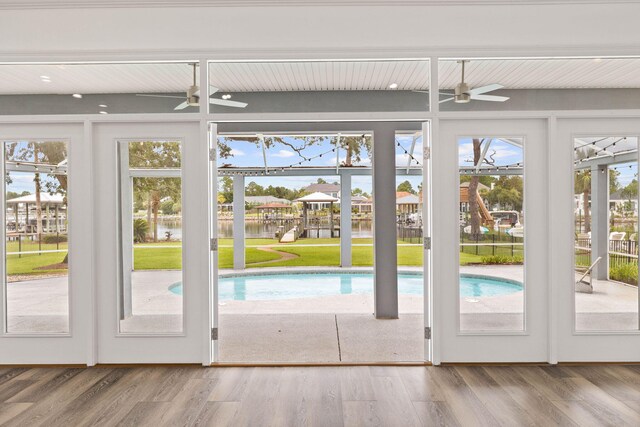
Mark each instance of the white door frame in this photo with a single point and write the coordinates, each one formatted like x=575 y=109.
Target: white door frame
x=63 y=348
x=185 y=347
x=427 y=137
x=582 y=346
x=452 y=345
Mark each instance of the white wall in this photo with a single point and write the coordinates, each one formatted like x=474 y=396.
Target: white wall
x=297 y=31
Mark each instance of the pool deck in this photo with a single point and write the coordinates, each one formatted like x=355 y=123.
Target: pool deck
x=338 y=328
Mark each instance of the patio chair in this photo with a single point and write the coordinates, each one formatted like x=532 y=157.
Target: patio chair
x=583 y=285
x=617 y=235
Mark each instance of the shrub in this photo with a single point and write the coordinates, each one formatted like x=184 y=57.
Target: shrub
x=501 y=259
x=140 y=230
x=54 y=238
x=627 y=273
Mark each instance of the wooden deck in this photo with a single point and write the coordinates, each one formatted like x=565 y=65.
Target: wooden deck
x=329 y=396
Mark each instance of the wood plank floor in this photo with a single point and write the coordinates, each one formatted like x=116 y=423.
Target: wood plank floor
x=606 y=395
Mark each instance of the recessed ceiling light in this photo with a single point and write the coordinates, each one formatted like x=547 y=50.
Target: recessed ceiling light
x=45 y=77
x=103 y=112
x=393 y=86
x=77 y=95
x=226 y=96
x=102 y=105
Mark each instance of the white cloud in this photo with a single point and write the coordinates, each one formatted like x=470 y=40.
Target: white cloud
x=284 y=154
x=236 y=152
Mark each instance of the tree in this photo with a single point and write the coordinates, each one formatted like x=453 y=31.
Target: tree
x=354 y=146
x=140 y=230
x=506 y=193
x=225 y=189
x=473 y=190
x=155 y=155
x=406 y=187
x=321 y=181
x=254 y=189
x=630 y=192
x=582 y=185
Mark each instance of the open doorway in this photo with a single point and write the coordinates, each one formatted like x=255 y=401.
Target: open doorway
x=296 y=232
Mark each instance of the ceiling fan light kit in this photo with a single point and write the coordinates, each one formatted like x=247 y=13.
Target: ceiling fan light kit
x=192 y=98
x=463 y=93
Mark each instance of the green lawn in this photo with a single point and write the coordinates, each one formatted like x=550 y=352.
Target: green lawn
x=27 y=264
x=168 y=256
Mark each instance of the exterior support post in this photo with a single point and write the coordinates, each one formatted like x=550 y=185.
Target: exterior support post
x=384 y=225
x=48 y=220
x=600 y=220
x=57 y=220
x=345 y=220
x=238 y=222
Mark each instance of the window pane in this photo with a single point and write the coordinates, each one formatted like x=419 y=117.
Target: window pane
x=606 y=233
x=409 y=146
x=151 y=190
x=36 y=236
x=491 y=234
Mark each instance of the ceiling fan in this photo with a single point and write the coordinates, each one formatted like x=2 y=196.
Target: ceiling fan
x=192 y=98
x=464 y=94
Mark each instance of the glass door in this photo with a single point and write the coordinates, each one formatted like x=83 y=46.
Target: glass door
x=490 y=251
x=43 y=269
x=595 y=255
x=152 y=276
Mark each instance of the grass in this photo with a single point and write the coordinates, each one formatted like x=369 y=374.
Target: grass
x=27 y=264
x=168 y=256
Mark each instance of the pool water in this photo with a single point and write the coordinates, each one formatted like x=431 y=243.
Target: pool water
x=288 y=286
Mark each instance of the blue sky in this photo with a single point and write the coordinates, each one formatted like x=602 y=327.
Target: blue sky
x=248 y=154
x=23 y=181
x=501 y=152
x=626 y=173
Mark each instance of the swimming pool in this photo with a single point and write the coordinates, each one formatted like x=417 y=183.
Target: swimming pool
x=288 y=286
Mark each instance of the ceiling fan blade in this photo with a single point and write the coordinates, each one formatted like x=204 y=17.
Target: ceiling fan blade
x=485 y=89
x=160 y=96
x=493 y=98
x=446 y=100
x=182 y=106
x=227 y=103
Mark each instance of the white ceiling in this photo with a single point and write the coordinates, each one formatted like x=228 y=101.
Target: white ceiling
x=319 y=76
x=544 y=73
x=95 y=78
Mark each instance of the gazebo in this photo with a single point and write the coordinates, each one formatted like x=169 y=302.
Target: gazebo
x=316 y=201
x=274 y=211
x=53 y=214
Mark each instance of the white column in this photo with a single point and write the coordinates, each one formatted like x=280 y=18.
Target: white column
x=345 y=220
x=238 y=222
x=384 y=224
x=600 y=220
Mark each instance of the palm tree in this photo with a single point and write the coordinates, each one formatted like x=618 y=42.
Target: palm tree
x=582 y=186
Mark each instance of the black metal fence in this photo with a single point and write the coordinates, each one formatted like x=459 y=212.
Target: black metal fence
x=33 y=243
x=491 y=244
x=410 y=234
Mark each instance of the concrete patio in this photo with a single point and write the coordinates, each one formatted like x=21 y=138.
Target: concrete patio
x=337 y=328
